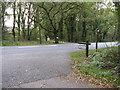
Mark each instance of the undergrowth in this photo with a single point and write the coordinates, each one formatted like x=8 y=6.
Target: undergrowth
x=103 y=65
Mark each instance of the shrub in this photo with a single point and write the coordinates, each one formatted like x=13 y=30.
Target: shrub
x=106 y=59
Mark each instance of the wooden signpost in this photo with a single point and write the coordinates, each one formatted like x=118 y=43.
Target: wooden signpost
x=87 y=47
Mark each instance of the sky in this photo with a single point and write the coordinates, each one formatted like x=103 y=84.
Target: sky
x=9 y=20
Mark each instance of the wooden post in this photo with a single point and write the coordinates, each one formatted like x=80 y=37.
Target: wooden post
x=97 y=39
x=87 y=48
x=97 y=42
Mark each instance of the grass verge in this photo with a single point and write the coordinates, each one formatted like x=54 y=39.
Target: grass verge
x=25 y=43
x=93 y=73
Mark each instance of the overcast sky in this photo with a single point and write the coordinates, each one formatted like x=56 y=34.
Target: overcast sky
x=9 y=21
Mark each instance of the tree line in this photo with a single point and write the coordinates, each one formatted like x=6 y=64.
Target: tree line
x=60 y=21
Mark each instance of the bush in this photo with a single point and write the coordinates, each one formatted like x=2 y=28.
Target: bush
x=104 y=65
x=5 y=42
x=106 y=59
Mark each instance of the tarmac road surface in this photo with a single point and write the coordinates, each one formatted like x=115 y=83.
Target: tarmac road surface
x=25 y=64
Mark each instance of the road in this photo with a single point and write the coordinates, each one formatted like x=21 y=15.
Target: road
x=25 y=64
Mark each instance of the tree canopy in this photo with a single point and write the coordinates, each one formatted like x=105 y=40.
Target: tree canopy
x=60 y=21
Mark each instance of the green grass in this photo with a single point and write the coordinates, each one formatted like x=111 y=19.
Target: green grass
x=25 y=43
x=82 y=65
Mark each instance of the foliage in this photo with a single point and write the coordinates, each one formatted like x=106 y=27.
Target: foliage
x=70 y=21
x=107 y=59
x=103 y=65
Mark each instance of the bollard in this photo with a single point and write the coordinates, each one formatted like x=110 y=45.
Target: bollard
x=87 y=47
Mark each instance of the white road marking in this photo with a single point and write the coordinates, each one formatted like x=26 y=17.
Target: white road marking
x=76 y=44
x=52 y=45
x=27 y=46
x=37 y=46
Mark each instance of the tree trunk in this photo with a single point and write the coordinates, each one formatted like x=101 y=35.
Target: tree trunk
x=28 y=27
x=119 y=23
x=40 y=35
x=56 y=37
x=3 y=20
x=14 y=17
x=45 y=37
x=23 y=24
x=68 y=34
x=19 y=21
x=84 y=31
x=61 y=27
x=23 y=28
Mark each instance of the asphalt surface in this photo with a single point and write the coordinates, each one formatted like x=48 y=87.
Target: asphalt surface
x=25 y=64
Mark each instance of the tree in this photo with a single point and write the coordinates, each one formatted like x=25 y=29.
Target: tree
x=19 y=20
x=23 y=19
x=117 y=4
x=28 y=22
x=70 y=21
x=2 y=21
x=14 y=19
